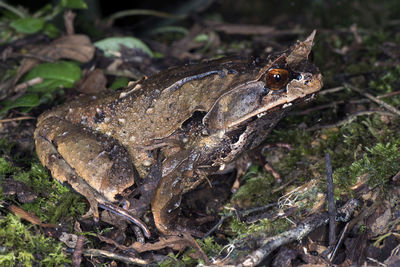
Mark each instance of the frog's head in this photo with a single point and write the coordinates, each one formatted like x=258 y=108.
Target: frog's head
x=286 y=78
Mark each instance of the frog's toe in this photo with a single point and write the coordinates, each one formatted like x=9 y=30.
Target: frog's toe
x=125 y=214
x=93 y=211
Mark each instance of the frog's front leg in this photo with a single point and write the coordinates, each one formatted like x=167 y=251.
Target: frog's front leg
x=167 y=198
x=96 y=166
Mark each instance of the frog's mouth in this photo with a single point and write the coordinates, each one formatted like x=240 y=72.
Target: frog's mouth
x=296 y=91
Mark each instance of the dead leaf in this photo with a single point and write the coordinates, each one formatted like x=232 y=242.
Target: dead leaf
x=30 y=217
x=175 y=242
x=92 y=83
x=76 y=47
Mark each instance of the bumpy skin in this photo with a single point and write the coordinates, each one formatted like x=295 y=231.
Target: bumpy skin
x=199 y=117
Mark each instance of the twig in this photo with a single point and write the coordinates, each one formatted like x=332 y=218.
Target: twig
x=332 y=90
x=377 y=262
x=21 y=88
x=77 y=256
x=331 y=201
x=17 y=119
x=375 y=99
x=12 y=9
x=257 y=209
x=330 y=105
x=135 y=12
x=341 y=238
x=349 y=119
x=114 y=256
x=215 y=227
x=270 y=244
x=389 y=94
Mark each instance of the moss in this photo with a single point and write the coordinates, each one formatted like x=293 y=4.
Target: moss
x=25 y=248
x=180 y=260
x=54 y=200
x=256 y=188
x=379 y=163
x=210 y=246
x=263 y=226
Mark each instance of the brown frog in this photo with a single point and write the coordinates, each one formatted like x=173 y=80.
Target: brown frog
x=173 y=129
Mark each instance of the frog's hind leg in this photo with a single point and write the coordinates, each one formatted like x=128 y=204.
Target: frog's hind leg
x=63 y=172
x=94 y=165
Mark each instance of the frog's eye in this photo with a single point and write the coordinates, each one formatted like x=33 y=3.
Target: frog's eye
x=277 y=78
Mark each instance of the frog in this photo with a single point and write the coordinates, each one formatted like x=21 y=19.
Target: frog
x=147 y=145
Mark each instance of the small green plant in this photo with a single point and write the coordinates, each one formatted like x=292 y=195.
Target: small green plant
x=17 y=21
x=256 y=188
x=379 y=163
x=209 y=246
x=24 y=248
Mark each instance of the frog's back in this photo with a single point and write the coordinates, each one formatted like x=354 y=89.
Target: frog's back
x=158 y=105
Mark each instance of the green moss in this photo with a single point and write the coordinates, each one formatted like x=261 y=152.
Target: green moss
x=263 y=226
x=256 y=188
x=54 y=200
x=210 y=246
x=379 y=163
x=25 y=248
x=180 y=260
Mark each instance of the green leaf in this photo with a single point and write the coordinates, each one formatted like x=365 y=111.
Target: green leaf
x=201 y=38
x=120 y=82
x=77 y=4
x=55 y=75
x=27 y=100
x=113 y=44
x=50 y=30
x=28 y=25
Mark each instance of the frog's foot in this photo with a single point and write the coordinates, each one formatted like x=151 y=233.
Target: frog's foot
x=123 y=213
x=93 y=211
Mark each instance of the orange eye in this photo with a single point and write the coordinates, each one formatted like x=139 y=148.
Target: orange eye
x=277 y=79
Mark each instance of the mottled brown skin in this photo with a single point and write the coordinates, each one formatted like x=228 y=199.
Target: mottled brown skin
x=199 y=117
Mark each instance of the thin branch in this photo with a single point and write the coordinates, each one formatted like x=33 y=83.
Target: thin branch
x=389 y=94
x=339 y=243
x=135 y=12
x=331 y=201
x=375 y=99
x=350 y=118
x=114 y=256
x=329 y=105
x=215 y=227
x=17 y=119
x=270 y=244
x=22 y=86
x=332 y=90
x=12 y=9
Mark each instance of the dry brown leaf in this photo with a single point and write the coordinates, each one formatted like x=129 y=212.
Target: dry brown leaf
x=76 y=47
x=30 y=217
x=174 y=242
x=92 y=83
